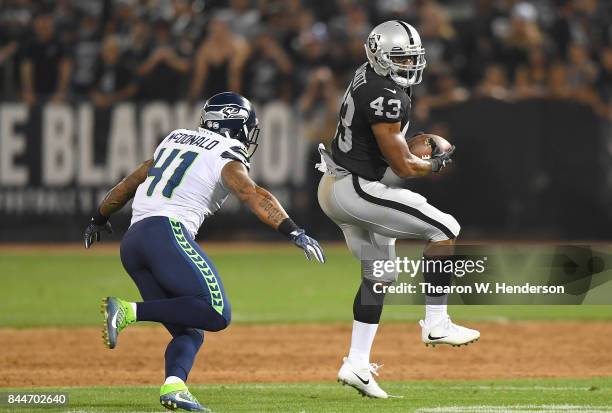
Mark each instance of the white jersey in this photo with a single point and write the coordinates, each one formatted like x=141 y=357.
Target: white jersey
x=185 y=181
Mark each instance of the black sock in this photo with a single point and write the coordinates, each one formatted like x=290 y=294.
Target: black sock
x=368 y=305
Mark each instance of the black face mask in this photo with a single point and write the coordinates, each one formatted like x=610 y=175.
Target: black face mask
x=251 y=142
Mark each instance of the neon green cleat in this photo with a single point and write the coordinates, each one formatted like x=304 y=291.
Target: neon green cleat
x=176 y=396
x=118 y=314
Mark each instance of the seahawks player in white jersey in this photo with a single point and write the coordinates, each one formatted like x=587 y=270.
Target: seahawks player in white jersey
x=370 y=138
x=190 y=176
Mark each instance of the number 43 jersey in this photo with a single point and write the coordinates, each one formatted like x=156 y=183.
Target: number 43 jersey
x=185 y=181
x=369 y=99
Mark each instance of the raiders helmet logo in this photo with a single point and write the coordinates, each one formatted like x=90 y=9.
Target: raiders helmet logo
x=373 y=42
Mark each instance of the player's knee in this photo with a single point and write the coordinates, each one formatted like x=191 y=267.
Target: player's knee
x=223 y=321
x=227 y=318
x=451 y=229
x=454 y=226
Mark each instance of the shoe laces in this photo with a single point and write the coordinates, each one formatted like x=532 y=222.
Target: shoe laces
x=375 y=367
x=122 y=319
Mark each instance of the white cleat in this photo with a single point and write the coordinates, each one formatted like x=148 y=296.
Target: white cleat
x=445 y=332
x=361 y=378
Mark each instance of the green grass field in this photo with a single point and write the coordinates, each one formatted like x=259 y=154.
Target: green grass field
x=593 y=395
x=278 y=286
x=264 y=286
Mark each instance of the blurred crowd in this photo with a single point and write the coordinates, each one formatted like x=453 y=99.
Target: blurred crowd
x=301 y=51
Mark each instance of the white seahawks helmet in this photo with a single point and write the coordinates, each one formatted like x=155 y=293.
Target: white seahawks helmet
x=394 y=49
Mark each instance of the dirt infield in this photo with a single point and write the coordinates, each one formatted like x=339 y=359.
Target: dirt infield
x=299 y=353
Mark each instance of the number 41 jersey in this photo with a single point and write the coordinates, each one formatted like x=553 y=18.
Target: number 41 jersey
x=185 y=181
x=369 y=99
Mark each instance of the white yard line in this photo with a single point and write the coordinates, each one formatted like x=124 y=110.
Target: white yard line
x=507 y=388
x=544 y=408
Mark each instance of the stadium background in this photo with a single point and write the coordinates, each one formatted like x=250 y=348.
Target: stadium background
x=523 y=88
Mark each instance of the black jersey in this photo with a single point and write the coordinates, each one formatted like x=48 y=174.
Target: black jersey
x=369 y=99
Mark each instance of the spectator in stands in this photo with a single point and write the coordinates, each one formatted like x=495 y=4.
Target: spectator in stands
x=538 y=68
x=353 y=21
x=282 y=19
x=604 y=79
x=219 y=61
x=186 y=23
x=561 y=30
x=16 y=18
x=244 y=19
x=558 y=86
x=312 y=53
x=268 y=70
x=494 y=83
x=318 y=106
x=124 y=17
x=346 y=59
x=85 y=53
x=301 y=37
x=581 y=70
x=438 y=34
x=114 y=81
x=139 y=44
x=66 y=17
x=163 y=73
x=522 y=36
x=445 y=91
x=523 y=87
x=8 y=49
x=590 y=22
x=45 y=67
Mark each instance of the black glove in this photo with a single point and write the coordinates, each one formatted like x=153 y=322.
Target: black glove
x=441 y=159
x=310 y=245
x=97 y=224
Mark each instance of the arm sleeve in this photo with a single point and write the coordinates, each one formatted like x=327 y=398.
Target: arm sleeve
x=380 y=104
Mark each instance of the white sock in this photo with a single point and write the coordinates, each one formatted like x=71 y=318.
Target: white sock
x=361 y=342
x=134 y=309
x=434 y=313
x=172 y=380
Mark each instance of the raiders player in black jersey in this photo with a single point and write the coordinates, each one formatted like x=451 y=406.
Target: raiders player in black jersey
x=370 y=137
x=369 y=99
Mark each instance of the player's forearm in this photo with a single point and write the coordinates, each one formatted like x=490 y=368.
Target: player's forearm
x=117 y=197
x=412 y=166
x=405 y=164
x=266 y=207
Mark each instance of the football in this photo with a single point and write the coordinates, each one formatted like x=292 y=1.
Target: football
x=422 y=145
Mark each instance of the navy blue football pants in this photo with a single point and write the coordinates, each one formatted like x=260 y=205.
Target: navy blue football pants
x=179 y=285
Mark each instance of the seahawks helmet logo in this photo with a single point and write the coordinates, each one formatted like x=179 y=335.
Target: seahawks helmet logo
x=235 y=112
x=373 y=42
